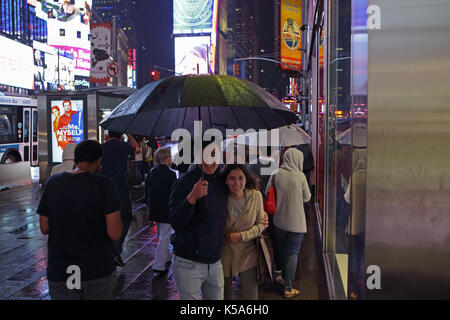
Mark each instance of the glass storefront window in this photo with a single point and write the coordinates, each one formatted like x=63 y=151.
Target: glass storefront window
x=340 y=99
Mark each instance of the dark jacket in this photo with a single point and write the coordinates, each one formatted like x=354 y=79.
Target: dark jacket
x=198 y=228
x=308 y=162
x=157 y=188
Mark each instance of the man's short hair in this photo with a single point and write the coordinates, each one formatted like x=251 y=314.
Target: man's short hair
x=115 y=134
x=162 y=154
x=88 y=151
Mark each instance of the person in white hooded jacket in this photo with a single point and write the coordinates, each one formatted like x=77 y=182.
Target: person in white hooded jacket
x=68 y=158
x=292 y=192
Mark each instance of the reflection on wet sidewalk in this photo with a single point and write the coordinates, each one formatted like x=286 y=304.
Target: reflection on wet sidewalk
x=23 y=255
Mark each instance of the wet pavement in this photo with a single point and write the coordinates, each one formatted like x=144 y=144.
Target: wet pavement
x=23 y=256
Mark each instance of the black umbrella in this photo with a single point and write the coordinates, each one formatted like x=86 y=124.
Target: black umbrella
x=219 y=101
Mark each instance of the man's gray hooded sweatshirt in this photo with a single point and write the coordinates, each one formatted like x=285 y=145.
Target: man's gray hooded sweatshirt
x=291 y=192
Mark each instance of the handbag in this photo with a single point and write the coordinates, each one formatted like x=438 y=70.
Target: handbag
x=264 y=261
x=270 y=203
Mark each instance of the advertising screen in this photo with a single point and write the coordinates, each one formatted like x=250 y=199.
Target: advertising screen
x=291 y=36
x=16 y=64
x=46 y=66
x=68 y=23
x=192 y=16
x=191 y=52
x=100 y=52
x=66 y=125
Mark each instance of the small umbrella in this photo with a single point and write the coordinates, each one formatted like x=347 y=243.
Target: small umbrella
x=219 y=101
x=288 y=136
x=355 y=135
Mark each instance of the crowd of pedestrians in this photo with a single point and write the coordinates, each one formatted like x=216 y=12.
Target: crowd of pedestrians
x=211 y=215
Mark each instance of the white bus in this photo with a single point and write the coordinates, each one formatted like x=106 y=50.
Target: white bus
x=18 y=130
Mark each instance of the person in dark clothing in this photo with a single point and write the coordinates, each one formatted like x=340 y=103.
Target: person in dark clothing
x=263 y=168
x=197 y=213
x=80 y=211
x=157 y=189
x=117 y=159
x=308 y=162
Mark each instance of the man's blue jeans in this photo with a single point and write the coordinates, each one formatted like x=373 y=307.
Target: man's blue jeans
x=288 y=248
x=192 y=277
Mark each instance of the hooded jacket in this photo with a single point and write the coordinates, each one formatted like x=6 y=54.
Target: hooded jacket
x=292 y=191
x=199 y=228
x=68 y=158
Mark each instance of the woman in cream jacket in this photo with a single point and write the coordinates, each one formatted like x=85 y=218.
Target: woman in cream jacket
x=246 y=221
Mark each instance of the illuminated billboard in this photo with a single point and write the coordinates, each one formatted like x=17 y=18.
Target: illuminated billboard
x=192 y=17
x=16 y=64
x=291 y=35
x=67 y=125
x=46 y=66
x=68 y=24
x=100 y=52
x=191 y=55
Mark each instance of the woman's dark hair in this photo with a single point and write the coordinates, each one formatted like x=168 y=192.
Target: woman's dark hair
x=252 y=182
x=88 y=151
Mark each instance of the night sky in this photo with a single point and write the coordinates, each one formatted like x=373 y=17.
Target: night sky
x=155 y=42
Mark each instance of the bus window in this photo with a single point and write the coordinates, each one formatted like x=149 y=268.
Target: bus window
x=5 y=126
x=26 y=127
x=7 y=132
x=35 y=124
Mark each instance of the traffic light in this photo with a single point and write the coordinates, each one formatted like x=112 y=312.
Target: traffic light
x=155 y=75
x=236 y=69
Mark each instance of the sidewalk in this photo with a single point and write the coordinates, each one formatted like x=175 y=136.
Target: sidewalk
x=23 y=255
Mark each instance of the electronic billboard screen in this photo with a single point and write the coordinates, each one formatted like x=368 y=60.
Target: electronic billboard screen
x=192 y=17
x=16 y=64
x=191 y=53
x=67 y=125
x=68 y=24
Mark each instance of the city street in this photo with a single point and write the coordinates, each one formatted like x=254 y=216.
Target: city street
x=23 y=255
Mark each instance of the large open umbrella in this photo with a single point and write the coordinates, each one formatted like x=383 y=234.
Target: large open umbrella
x=219 y=101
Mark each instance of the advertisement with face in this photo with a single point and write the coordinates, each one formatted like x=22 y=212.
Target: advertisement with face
x=46 y=66
x=68 y=24
x=16 y=64
x=66 y=124
x=190 y=53
x=192 y=16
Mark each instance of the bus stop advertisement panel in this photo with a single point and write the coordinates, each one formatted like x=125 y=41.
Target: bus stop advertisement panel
x=66 y=123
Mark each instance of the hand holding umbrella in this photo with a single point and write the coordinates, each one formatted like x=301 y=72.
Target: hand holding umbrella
x=199 y=190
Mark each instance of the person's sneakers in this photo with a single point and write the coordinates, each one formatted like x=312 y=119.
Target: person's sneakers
x=119 y=262
x=291 y=294
x=279 y=277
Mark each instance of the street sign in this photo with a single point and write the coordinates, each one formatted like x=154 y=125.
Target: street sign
x=113 y=70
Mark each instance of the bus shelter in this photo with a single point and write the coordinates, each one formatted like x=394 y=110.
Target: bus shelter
x=71 y=117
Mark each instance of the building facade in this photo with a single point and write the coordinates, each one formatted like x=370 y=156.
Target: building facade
x=379 y=128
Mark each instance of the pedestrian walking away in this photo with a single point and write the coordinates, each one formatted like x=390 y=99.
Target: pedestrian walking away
x=117 y=159
x=81 y=231
x=245 y=222
x=290 y=223
x=197 y=213
x=157 y=188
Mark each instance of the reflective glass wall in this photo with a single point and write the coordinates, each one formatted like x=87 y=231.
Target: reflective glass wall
x=339 y=98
